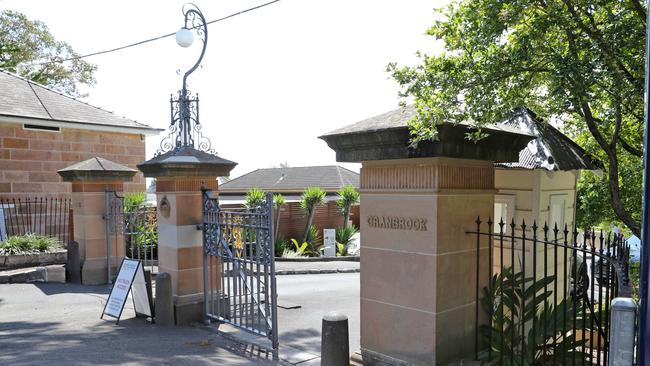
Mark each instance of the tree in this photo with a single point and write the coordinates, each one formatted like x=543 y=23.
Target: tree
x=577 y=62
x=348 y=196
x=310 y=199
x=278 y=202
x=27 y=48
x=254 y=198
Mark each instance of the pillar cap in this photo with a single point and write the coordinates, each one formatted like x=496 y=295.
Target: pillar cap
x=97 y=169
x=186 y=162
x=387 y=136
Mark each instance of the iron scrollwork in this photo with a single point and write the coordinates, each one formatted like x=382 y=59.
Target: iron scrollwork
x=185 y=127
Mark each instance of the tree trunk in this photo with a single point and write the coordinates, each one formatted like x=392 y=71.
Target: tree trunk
x=615 y=197
x=610 y=149
x=346 y=217
x=277 y=223
x=310 y=216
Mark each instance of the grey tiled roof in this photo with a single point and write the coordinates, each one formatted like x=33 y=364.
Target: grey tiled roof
x=399 y=118
x=97 y=164
x=20 y=97
x=96 y=168
x=551 y=150
x=296 y=179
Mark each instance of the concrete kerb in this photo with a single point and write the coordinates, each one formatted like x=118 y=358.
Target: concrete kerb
x=316 y=271
x=315 y=267
x=52 y=273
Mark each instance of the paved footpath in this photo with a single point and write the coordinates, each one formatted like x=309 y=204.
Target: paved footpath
x=58 y=324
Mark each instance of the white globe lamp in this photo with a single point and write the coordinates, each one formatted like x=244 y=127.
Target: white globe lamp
x=184 y=37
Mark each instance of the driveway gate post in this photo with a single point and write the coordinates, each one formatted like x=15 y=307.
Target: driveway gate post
x=90 y=179
x=418 y=265
x=180 y=175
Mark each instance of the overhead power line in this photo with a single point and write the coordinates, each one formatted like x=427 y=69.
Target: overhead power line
x=151 y=39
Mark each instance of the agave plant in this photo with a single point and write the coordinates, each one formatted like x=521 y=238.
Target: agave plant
x=520 y=308
x=344 y=236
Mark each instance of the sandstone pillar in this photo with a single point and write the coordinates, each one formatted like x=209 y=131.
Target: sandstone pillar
x=180 y=175
x=90 y=179
x=418 y=264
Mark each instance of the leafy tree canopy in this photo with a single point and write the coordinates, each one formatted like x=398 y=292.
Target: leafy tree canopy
x=27 y=47
x=578 y=63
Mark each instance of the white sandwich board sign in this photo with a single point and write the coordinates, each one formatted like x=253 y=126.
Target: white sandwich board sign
x=130 y=277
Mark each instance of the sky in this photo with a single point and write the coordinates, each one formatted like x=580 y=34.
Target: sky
x=271 y=81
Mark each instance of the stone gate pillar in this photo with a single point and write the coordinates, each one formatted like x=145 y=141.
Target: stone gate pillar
x=90 y=179
x=180 y=175
x=418 y=265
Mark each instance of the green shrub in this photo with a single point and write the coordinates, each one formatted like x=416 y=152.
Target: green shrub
x=341 y=250
x=343 y=239
x=313 y=239
x=280 y=245
x=288 y=253
x=133 y=200
x=142 y=242
x=508 y=297
x=29 y=244
x=301 y=249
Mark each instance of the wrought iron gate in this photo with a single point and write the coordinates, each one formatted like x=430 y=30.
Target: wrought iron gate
x=131 y=231
x=239 y=268
x=547 y=293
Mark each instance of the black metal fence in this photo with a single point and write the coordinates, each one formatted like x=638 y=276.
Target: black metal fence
x=131 y=229
x=48 y=216
x=543 y=293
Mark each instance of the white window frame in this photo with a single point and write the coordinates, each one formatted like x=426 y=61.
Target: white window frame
x=510 y=200
x=557 y=197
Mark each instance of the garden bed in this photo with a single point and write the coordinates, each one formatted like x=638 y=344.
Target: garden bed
x=31 y=250
x=14 y=261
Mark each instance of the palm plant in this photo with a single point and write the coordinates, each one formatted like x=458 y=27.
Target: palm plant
x=254 y=198
x=310 y=199
x=525 y=329
x=278 y=202
x=348 y=196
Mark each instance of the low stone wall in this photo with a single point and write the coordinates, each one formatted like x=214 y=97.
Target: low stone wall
x=32 y=260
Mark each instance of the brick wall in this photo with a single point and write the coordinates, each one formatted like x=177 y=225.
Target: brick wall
x=29 y=159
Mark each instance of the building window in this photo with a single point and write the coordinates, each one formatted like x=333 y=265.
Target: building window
x=556 y=211
x=41 y=128
x=504 y=208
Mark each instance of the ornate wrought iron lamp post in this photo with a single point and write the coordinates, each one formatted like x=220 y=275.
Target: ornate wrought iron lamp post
x=185 y=127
